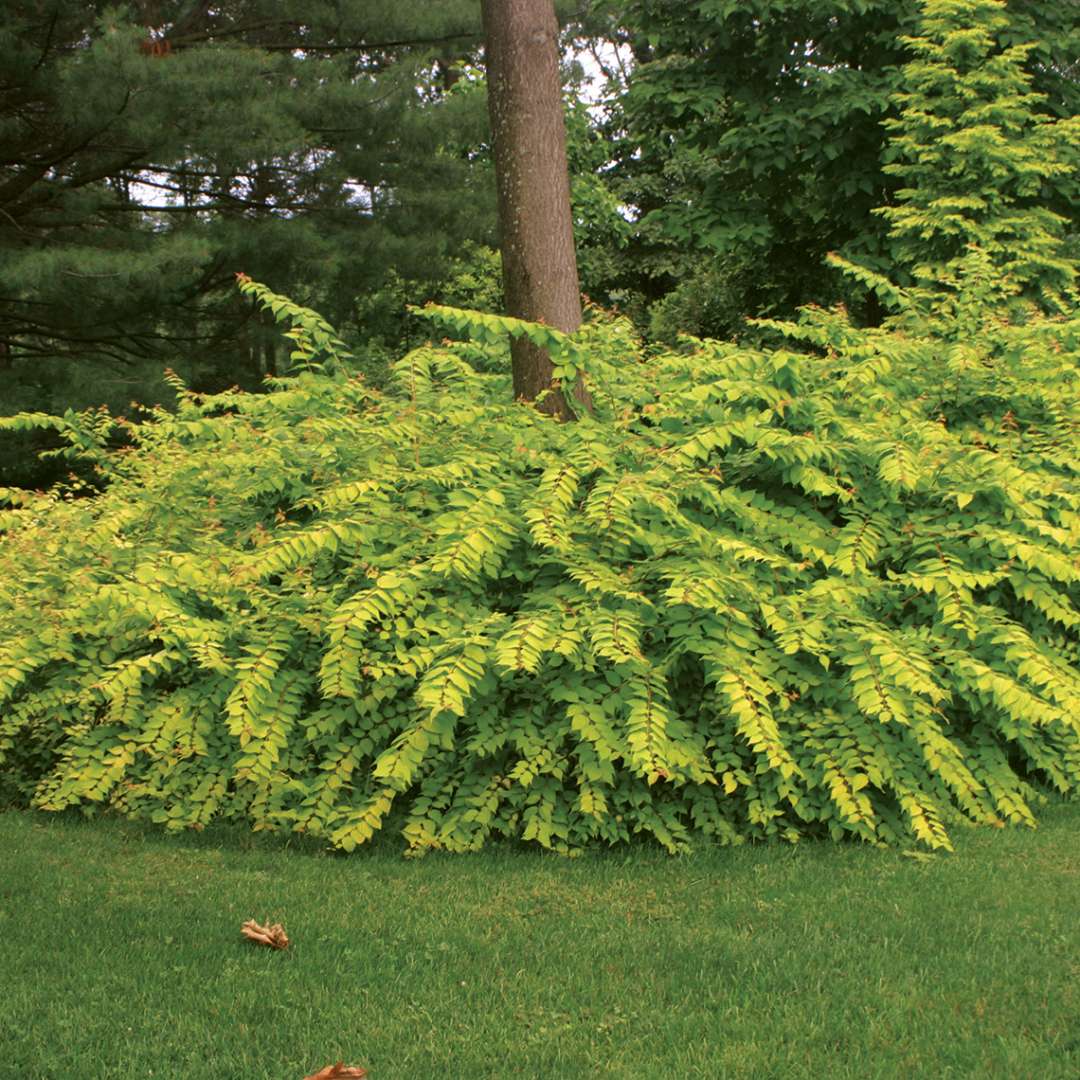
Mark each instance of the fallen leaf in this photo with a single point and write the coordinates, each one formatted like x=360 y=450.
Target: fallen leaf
x=274 y=936
x=340 y=1071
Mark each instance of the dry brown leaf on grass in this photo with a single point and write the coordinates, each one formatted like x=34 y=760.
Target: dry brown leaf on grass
x=274 y=936
x=340 y=1071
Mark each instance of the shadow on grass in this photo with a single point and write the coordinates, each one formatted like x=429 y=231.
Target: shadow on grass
x=238 y=838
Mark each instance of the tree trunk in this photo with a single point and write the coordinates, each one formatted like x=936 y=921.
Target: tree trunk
x=535 y=224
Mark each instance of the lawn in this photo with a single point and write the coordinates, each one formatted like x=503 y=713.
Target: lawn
x=120 y=956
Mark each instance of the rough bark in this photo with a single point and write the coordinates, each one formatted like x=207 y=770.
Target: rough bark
x=535 y=224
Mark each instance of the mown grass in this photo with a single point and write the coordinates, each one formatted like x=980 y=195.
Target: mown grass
x=120 y=956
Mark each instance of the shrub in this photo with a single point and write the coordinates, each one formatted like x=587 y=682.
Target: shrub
x=827 y=588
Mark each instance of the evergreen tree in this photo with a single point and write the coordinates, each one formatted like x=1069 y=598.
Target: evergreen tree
x=146 y=156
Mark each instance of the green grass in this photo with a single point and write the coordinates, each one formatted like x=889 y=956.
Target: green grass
x=120 y=956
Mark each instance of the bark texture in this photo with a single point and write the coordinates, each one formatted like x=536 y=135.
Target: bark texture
x=535 y=223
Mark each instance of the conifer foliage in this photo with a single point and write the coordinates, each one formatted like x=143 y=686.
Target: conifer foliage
x=790 y=592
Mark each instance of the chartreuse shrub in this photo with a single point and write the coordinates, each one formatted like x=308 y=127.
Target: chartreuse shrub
x=976 y=154
x=829 y=588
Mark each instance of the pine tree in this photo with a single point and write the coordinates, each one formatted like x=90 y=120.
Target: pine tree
x=145 y=157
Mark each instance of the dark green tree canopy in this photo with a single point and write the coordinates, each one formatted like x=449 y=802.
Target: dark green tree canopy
x=755 y=137
x=147 y=154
